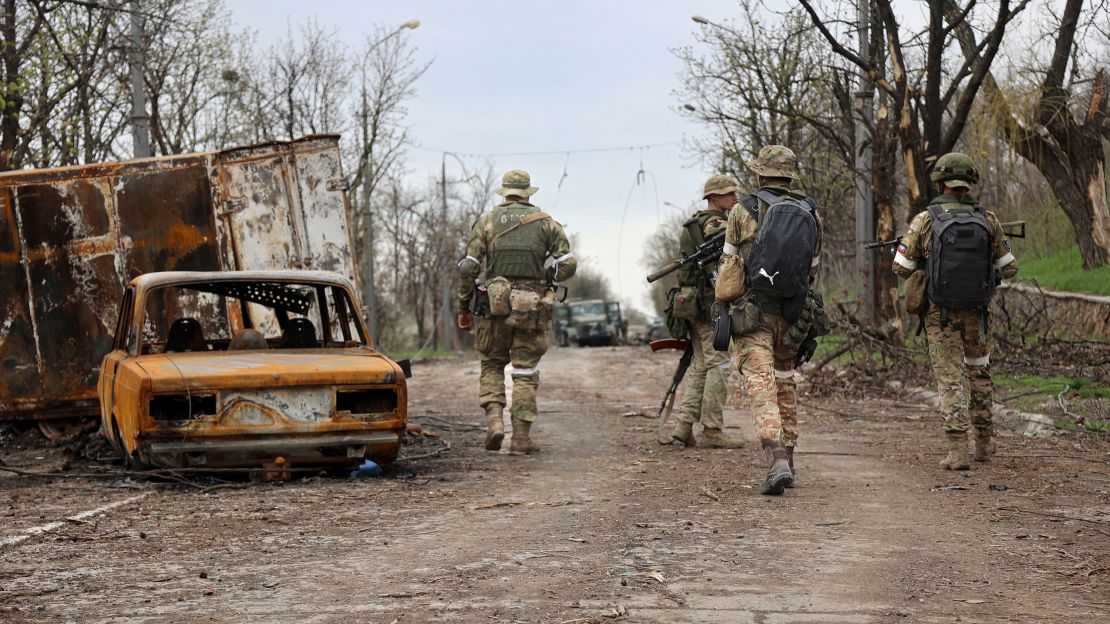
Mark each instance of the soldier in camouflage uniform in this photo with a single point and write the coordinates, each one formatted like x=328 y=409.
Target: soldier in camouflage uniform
x=766 y=364
x=959 y=350
x=707 y=379
x=514 y=241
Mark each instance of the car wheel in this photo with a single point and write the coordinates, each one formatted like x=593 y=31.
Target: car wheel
x=62 y=429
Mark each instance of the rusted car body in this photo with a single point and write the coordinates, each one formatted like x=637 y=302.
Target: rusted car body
x=248 y=369
x=72 y=238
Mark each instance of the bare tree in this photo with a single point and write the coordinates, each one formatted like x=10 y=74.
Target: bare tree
x=1062 y=135
x=931 y=98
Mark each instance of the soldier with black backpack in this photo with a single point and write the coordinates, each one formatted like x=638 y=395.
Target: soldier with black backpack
x=688 y=313
x=769 y=261
x=957 y=252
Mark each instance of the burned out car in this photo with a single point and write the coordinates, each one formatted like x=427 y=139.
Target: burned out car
x=248 y=369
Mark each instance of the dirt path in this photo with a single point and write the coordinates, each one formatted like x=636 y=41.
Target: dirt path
x=604 y=525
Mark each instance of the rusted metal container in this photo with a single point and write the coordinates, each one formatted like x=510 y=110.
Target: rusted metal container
x=72 y=238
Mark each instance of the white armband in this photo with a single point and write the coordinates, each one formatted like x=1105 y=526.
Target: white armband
x=904 y=261
x=730 y=250
x=472 y=259
x=1004 y=260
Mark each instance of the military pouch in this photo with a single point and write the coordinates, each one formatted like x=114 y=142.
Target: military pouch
x=799 y=330
x=917 y=302
x=722 y=332
x=685 y=304
x=730 y=278
x=676 y=327
x=819 y=326
x=745 y=316
x=524 y=308
x=499 y=290
x=545 y=313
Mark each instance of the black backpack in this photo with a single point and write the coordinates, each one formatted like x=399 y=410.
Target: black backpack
x=782 y=252
x=961 y=270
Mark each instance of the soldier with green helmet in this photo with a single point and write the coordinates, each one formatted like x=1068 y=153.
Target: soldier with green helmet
x=765 y=355
x=513 y=242
x=959 y=281
x=707 y=379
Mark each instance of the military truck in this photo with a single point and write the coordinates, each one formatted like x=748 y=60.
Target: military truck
x=72 y=238
x=592 y=322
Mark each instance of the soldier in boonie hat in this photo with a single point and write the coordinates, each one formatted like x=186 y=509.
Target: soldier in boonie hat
x=516 y=183
x=719 y=185
x=775 y=161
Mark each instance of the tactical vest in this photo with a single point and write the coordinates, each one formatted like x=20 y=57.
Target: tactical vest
x=520 y=253
x=692 y=237
x=961 y=271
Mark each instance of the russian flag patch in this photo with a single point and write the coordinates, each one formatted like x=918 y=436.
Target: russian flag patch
x=902 y=248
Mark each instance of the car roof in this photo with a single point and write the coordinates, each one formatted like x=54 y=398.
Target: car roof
x=178 y=278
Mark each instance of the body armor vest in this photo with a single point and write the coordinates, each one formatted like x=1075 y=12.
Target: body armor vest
x=519 y=254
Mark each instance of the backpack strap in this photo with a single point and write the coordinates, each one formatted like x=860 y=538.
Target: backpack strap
x=751 y=204
x=767 y=196
x=532 y=218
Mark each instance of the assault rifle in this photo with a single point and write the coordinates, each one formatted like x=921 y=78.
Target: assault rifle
x=662 y=436
x=1018 y=233
x=706 y=253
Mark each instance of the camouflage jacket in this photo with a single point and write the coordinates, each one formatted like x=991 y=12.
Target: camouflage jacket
x=914 y=247
x=547 y=232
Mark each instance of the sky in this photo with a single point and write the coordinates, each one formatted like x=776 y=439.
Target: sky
x=519 y=77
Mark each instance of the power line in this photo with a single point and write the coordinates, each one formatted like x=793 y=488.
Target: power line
x=549 y=152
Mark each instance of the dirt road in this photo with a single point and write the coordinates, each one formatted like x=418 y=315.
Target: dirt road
x=603 y=525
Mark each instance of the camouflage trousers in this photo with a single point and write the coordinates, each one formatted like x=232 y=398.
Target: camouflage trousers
x=960 y=355
x=706 y=380
x=499 y=345
x=768 y=370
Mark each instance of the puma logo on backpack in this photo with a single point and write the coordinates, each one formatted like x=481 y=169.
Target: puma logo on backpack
x=770 y=278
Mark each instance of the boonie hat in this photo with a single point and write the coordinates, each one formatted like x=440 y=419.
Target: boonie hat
x=719 y=185
x=775 y=161
x=516 y=182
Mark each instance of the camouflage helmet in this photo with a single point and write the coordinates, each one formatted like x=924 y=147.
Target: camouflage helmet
x=956 y=170
x=518 y=183
x=775 y=161
x=719 y=185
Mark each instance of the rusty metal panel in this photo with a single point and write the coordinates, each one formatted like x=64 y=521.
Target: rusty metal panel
x=72 y=237
x=256 y=201
x=73 y=280
x=322 y=204
x=19 y=371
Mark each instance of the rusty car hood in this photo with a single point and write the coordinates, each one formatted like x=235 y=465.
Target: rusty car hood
x=266 y=369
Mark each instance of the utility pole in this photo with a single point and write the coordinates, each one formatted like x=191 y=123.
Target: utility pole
x=865 y=202
x=445 y=310
x=140 y=122
x=371 y=294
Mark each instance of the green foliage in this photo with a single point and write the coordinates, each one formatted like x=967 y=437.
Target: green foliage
x=1063 y=270
x=1085 y=388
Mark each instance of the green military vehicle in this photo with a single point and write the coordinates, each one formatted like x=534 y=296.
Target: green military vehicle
x=589 y=322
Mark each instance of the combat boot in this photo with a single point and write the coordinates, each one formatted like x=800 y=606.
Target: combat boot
x=495 y=426
x=522 y=443
x=778 y=472
x=715 y=438
x=957 y=452
x=790 y=460
x=984 y=446
x=684 y=433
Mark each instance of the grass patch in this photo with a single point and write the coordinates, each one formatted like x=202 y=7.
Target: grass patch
x=1063 y=270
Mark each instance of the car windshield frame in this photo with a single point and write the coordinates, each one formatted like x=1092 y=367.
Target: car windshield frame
x=234 y=291
x=587 y=308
